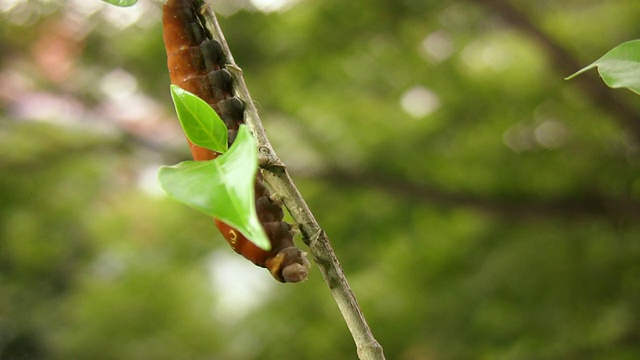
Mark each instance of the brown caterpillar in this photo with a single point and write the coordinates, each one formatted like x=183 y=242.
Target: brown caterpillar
x=196 y=63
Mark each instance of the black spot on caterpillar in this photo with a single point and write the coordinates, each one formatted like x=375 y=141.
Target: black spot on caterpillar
x=196 y=63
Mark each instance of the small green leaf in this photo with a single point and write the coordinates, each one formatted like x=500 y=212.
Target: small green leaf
x=620 y=67
x=122 y=3
x=199 y=121
x=222 y=188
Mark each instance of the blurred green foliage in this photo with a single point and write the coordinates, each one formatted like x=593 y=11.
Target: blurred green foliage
x=482 y=206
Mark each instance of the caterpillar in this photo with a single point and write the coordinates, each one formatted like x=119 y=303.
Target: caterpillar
x=197 y=63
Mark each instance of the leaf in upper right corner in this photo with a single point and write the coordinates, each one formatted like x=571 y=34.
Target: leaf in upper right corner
x=620 y=67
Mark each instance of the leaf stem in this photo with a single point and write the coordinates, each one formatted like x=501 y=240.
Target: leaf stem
x=278 y=178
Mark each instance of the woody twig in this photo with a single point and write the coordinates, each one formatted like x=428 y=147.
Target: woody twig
x=278 y=178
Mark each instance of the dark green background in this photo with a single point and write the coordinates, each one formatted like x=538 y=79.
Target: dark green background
x=504 y=224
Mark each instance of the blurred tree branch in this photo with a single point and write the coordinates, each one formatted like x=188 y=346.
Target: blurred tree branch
x=591 y=204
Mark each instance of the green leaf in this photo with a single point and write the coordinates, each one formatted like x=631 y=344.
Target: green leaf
x=122 y=3
x=620 y=67
x=199 y=121
x=222 y=188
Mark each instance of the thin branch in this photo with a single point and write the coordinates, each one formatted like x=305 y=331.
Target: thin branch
x=567 y=64
x=276 y=175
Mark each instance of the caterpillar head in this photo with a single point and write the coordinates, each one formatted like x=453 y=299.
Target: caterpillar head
x=289 y=265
